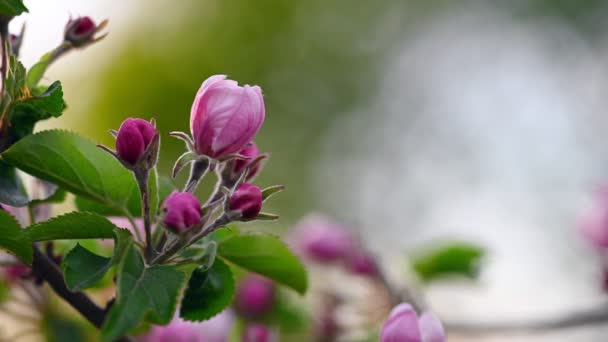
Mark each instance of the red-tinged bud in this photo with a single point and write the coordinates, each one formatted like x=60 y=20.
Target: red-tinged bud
x=258 y=333
x=246 y=201
x=255 y=296
x=250 y=151
x=80 y=31
x=363 y=264
x=16 y=272
x=182 y=211
x=134 y=137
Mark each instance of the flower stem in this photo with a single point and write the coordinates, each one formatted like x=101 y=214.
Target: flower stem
x=142 y=180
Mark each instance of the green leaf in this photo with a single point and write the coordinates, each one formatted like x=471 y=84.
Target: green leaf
x=83 y=268
x=13 y=240
x=58 y=196
x=37 y=70
x=74 y=164
x=208 y=293
x=12 y=191
x=12 y=7
x=267 y=255
x=133 y=203
x=455 y=258
x=143 y=292
x=72 y=226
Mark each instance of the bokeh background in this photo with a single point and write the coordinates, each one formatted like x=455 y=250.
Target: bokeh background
x=412 y=121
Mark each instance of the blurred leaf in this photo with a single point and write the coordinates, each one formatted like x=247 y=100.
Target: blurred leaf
x=58 y=196
x=457 y=258
x=12 y=191
x=12 y=7
x=71 y=226
x=75 y=164
x=13 y=240
x=266 y=255
x=143 y=292
x=5 y=291
x=40 y=105
x=36 y=72
x=287 y=317
x=83 y=268
x=208 y=293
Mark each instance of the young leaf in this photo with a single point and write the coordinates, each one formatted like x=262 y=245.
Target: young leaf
x=457 y=258
x=74 y=164
x=12 y=8
x=36 y=72
x=83 y=268
x=267 y=255
x=208 y=292
x=72 y=226
x=13 y=240
x=12 y=191
x=143 y=292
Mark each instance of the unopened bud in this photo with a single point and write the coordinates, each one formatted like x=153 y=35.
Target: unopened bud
x=255 y=296
x=182 y=211
x=246 y=201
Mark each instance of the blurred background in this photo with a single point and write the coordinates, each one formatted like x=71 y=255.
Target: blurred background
x=413 y=121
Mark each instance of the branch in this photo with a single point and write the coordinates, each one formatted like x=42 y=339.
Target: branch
x=45 y=268
x=589 y=317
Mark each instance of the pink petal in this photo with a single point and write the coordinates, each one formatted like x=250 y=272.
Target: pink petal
x=431 y=328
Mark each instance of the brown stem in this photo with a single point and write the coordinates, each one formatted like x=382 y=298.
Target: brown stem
x=46 y=269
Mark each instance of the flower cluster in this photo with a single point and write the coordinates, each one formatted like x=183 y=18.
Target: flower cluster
x=224 y=119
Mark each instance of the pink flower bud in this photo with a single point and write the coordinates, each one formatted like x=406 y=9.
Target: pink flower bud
x=257 y=333
x=595 y=224
x=225 y=116
x=362 y=263
x=16 y=272
x=255 y=296
x=182 y=211
x=251 y=151
x=403 y=325
x=431 y=328
x=134 y=136
x=246 y=200
x=320 y=239
x=80 y=31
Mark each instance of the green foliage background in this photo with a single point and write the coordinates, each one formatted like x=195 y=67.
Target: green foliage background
x=314 y=59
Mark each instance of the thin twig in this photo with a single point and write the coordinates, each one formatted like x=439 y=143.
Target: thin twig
x=594 y=316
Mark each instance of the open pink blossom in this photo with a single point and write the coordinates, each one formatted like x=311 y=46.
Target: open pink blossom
x=403 y=325
x=225 y=116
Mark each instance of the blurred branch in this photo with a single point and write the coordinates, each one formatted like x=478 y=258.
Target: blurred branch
x=594 y=316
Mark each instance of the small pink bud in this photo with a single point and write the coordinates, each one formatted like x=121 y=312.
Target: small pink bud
x=16 y=272
x=255 y=296
x=225 y=116
x=246 y=200
x=80 y=31
x=403 y=325
x=134 y=136
x=323 y=240
x=362 y=263
x=182 y=211
x=595 y=224
x=251 y=151
x=257 y=333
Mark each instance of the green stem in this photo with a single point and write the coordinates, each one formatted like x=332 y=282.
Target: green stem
x=142 y=180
